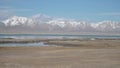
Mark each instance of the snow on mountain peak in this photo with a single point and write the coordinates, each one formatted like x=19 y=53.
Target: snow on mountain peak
x=15 y=20
x=41 y=18
x=42 y=21
x=108 y=24
x=58 y=22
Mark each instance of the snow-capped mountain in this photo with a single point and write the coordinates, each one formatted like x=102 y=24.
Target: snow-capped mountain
x=41 y=18
x=15 y=20
x=46 y=23
x=108 y=25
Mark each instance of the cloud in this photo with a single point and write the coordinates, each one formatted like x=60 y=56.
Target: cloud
x=110 y=14
x=4 y=8
x=4 y=14
x=19 y=10
x=6 y=11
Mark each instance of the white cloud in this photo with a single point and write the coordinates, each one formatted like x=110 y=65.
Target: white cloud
x=6 y=11
x=4 y=7
x=15 y=9
x=5 y=14
x=8 y=8
x=22 y=10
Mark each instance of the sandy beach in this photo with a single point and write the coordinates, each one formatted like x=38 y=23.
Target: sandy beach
x=100 y=53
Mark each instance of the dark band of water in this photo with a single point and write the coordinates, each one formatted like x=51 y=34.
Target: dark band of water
x=50 y=36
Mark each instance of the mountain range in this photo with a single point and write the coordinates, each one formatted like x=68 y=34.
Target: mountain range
x=45 y=24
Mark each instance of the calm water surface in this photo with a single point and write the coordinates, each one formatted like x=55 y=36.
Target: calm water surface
x=49 y=36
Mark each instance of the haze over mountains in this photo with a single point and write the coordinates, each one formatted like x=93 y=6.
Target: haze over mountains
x=46 y=24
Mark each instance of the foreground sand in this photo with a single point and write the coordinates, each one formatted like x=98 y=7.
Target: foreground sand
x=99 y=54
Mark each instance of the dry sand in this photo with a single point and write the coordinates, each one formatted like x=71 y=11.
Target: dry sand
x=68 y=54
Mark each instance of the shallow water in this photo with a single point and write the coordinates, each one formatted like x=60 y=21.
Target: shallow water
x=22 y=44
x=52 y=36
x=49 y=36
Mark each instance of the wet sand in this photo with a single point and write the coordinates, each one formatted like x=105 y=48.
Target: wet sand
x=68 y=54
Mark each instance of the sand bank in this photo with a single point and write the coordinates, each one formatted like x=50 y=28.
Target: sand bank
x=67 y=54
x=58 y=57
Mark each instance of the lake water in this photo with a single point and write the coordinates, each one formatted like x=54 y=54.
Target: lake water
x=22 y=44
x=49 y=36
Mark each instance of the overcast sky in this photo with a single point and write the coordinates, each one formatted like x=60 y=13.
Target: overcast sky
x=90 y=10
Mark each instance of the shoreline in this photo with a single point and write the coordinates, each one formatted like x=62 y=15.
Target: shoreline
x=83 y=43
